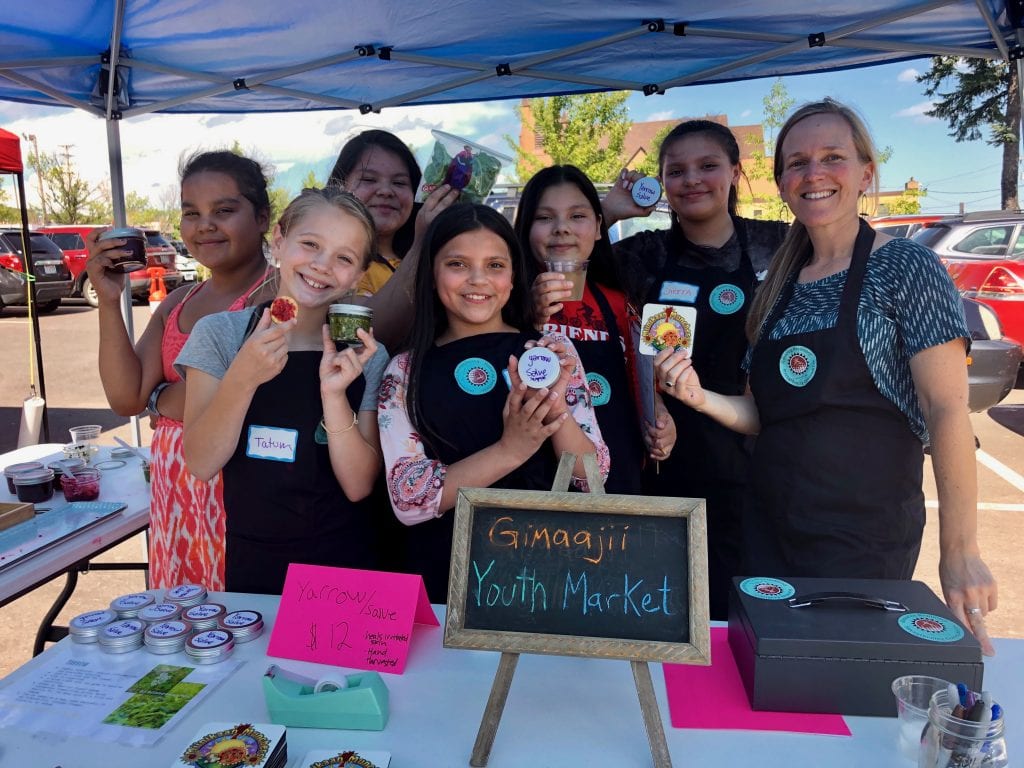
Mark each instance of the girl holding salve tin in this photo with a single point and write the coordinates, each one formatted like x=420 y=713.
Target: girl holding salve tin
x=712 y=260
x=289 y=419
x=559 y=221
x=225 y=213
x=453 y=409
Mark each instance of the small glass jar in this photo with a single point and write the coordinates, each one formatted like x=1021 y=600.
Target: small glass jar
x=58 y=467
x=135 y=242
x=15 y=469
x=954 y=741
x=34 y=486
x=345 y=320
x=83 y=486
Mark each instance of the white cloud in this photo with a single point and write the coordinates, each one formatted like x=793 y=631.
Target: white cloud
x=916 y=112
x=908 y=75
x=746 y=113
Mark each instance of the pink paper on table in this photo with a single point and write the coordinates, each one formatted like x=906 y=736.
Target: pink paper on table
x=348 y=617
x=723 y=700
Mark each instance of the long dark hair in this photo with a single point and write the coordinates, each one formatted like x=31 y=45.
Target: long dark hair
x=431 y=318
x=349 y=157
x=718 y=133
x=601 y=268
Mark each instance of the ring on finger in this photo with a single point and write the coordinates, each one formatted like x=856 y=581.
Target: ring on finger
x=974 y=612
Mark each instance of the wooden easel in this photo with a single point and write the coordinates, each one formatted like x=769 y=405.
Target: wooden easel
x=507 y=665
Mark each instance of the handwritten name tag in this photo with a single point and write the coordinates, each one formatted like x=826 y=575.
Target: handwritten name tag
x=271 y=443
x=349 y=617
x=673 y=292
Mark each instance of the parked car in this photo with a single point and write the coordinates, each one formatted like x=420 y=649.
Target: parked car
x=904 y=224
x=71 y=239
x=184 y=263
x=994 y=360
x=53 y=279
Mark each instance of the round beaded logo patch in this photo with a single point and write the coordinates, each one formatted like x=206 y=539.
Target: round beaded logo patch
x=767 y=589
x=798 y=366
x=726 y=299
x=928 y=626
x=475 y=376
x=600 y=389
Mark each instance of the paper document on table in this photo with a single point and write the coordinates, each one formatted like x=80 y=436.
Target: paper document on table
x=51 y=527
x=83 y=692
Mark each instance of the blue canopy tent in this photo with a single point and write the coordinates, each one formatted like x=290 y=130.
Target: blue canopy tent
x=256 y=56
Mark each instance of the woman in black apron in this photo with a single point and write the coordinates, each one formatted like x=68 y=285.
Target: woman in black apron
x=275 y=405
x=709 y=259
x=858 y=356
x=559 y=219
x=453 y=411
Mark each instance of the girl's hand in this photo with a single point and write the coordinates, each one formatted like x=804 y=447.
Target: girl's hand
x=557 y=391
x=265 y=352
x=339 y=369
x=618 y=204
x=108 y=285
x=524 y=417
x=660 y=437
x=436 y=202
x=549 y=290
x=675 y=375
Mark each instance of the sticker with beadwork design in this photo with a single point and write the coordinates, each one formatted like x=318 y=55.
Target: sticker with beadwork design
x=475 y=376
x=928 y=626
x=797 y=365
x=767 y=589
x=726 y=299
x=600 y=389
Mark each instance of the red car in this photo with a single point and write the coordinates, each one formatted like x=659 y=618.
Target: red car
x=71 y=239
x=998 y=284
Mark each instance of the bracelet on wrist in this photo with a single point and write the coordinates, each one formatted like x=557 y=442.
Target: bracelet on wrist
x=343 y=430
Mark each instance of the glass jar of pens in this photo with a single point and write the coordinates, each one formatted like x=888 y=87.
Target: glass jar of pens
x=964 y=730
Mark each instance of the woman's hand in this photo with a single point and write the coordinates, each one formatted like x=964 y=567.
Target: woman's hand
x=108 y=285
x=549 y=290
x=660 y=437
x=618 y=204
x=437 y=201
x=264 y=353
x=524 y=417
x=339 y=369
x=970 y=592
x=676 y=376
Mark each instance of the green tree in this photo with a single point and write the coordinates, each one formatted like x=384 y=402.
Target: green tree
x=908 y=202
x=585 y=130
x=7 y=213
x=70 y=199
x=776 y=104
x=975 y=95
x=311 y=182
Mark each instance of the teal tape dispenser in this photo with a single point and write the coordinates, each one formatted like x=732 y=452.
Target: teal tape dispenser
x=357 y=702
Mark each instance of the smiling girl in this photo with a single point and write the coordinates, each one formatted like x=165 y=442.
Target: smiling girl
x=449 y=417
x=289 y=419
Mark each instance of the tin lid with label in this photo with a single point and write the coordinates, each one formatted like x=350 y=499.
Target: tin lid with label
x=167 y=636
x=186 y=595
x=86 y=626
x=121 y=636
x=160 y=612
x=120 y=233
x=204 y=615
x=128 y=606
x=244 y=625
x=646 y=191
x=211 y=646
x=539 y=367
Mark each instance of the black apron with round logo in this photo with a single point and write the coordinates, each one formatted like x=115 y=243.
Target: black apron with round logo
x=281 y=511
x=710 y=461
x=837 y=468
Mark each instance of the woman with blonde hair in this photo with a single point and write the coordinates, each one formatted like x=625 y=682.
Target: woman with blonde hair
x=858 y=346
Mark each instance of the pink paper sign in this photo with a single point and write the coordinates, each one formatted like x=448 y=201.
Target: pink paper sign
x=348 y=617
x=723 y=699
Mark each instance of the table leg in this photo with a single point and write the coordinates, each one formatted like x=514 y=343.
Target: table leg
x=46 y=630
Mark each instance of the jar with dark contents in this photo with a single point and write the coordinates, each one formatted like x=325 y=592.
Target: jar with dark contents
x=135 y=242
x=345 y=320
x=16 y=469
x=34 y=486
x=58 y=467
x=83 y=486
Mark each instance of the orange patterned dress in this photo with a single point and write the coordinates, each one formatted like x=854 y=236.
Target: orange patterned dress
x=186 y=515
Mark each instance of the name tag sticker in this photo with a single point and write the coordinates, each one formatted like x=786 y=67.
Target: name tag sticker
x=672 y=292
x=271 y=443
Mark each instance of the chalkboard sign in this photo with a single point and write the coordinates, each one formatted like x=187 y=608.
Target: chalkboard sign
x=601 y=575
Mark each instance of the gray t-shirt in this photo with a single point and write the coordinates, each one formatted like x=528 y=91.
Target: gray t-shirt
x=216 y=339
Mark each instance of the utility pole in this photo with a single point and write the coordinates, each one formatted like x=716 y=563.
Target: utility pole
x=39 y=171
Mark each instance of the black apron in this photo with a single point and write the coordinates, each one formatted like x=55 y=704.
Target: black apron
x=837 y=468
x=710 y=461
x=608 y=380
x=280 y=512
x=463 y=394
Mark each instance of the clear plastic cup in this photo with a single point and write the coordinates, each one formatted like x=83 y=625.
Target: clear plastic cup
x=956 y=741
x=573 y=271
x=86 y=434
x=913 y=696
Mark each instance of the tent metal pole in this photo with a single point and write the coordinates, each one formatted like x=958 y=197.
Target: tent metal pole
x=30 y=287
x=993 y=28
x=53 y=93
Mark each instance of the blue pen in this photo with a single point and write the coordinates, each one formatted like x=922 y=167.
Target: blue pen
x=963 y=691
x=997 y=712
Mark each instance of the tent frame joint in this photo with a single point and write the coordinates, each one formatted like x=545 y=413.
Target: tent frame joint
x=679 y=28
x=654 y=25
x=366 y=50
x=239 y=84
x=503 y=70
x=653 y=88
x=816 y=40
x=384 y=54
x=1015 y=53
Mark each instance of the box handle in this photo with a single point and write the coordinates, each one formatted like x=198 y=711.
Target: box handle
x=868 y=601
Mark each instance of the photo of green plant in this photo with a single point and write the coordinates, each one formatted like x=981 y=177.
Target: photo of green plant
x=161 y=679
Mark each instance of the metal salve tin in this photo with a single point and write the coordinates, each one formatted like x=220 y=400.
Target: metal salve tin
x=204 y=616
x=135 y=242
x=167 y=636
x=128 y=606
x=85 y=627
x=121 y=636
x=210 y=647
x=539 y=367
x=244 y=625
x=186 y=595
x=154 y=614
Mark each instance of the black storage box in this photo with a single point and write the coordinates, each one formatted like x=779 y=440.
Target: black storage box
x=840 y=655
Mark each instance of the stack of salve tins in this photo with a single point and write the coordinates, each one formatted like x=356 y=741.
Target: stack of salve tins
x=183 y=621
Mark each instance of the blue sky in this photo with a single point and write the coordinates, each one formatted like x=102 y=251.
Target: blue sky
x=887 y=96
